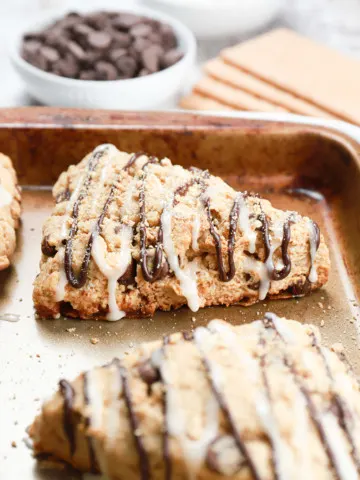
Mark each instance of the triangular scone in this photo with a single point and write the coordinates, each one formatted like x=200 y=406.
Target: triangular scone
x=131 y=234
x=9 y=210
x=258 y=401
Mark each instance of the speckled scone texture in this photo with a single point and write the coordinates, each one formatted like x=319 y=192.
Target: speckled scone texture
x=9 y=210
x=131 y=234
x=259 y=401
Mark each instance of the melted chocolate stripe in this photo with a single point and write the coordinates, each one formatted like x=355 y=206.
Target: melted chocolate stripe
x=78 y=281
x=228 y=415
x=284 y=272
x=134 y=422
x=312 y=409
x=92 y=458
x=158 y=258
x=346 y=420
x=133 y=159
x=68 y=395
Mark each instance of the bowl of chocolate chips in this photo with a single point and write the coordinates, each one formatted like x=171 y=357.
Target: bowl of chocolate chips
x=133 y=59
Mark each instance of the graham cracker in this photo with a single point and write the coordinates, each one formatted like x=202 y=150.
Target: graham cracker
x=234 y=97
x=195 y=101
x=302 y=67
x=238 y=78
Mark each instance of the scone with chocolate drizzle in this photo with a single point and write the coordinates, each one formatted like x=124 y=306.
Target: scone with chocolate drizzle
x=9 y=210
x=264 y=401
x=131 y=234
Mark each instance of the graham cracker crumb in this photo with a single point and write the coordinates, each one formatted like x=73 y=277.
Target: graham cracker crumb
x=94 y=340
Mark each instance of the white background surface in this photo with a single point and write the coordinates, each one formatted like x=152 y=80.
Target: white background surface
x=336 y=22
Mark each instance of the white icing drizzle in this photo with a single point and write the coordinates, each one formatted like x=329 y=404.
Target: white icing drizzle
x=5 y=197
x=186 y=276
x=334 y=435
x=282 y=328
x=194 y=451
x=62 y=282
x=244 y=223
x=112 y=273
x=275 y=242
x=283 y=455
x=195 y=231
x=112 y=151
x=335 y=438
x=251 y=265
x=313 y=276
x=300 y=437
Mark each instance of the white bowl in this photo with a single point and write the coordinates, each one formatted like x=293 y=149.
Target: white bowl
x=220 y=18
x=136 y=93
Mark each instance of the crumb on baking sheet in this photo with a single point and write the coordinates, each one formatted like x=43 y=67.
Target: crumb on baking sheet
x=94 y=340
x=13 y=444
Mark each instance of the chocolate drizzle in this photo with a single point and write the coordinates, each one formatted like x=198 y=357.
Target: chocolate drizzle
x=79 y=280
x=346 y=419
x=133 y=159
x=150 y=276
x=134 y=422
x=68 y=395
x=312 y=408
x=225 y=276
x=92 y=458
x=228 y=415
x=284 y=272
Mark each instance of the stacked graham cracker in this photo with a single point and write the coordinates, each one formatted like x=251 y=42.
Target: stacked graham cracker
x=280 y=71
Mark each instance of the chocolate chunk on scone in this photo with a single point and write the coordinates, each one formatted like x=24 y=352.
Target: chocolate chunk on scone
x=9 y=210
x=131 y=234
x=262 y=401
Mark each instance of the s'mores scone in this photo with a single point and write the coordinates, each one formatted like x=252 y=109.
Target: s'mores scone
x=262 y=401
x=9 y=210
x=131 y=234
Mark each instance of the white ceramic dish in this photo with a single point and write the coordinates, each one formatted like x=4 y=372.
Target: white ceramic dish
x=141 y=93
x=214 y=18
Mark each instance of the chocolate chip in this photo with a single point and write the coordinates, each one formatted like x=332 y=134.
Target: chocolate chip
x=47 y=249
x=87 y=75
x=151 y=57
x=187 y=336
x=64 y=195
x=148 y=373
x=300 y=288
x=168 y=37
x=31 y=47
x=125 y=21
x=141 y=30
x=67 y=67
x=101 y=40
x=105 y=71
x=171 y=57
x=126 y=67
x=143 y=72
x=118 y=53
x=140 y=44
x=102 y=46
x=76 y=50
x=121 y=39
x=82 y=29
x=224 y=457
x=49 y=53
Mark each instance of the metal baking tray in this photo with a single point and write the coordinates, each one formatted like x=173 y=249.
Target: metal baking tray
x=313 y=169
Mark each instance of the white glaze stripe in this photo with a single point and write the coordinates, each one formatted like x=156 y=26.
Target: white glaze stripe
x=113 y=273
x=244 y=223
x=313 y=276
x=187 y=275
x=282 y=453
